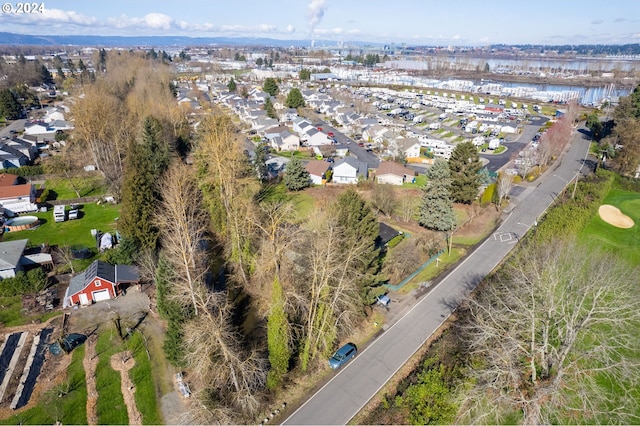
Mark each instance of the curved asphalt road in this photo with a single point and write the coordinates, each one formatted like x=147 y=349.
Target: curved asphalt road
x=357 y=382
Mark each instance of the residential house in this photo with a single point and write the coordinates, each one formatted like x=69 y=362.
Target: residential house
x=38 y=128
x=410 y=147
x=10 y=255
x=100 y=281
x=349 y=170
x=288 y=115
x=13 y=258
x=272 y=132
x=263 y=123
x=314 y=137
x=393 y=173
x=318 y=171
x=54 y=114
x=188 y=101
x=16 y=199
x=26 y=148
x=11 y=157
x=300 y=124
x=285 y=141
x=7 y=179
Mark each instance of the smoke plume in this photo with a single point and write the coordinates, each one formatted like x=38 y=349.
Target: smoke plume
x=315 y=10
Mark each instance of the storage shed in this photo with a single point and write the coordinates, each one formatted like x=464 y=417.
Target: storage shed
x=100 y=281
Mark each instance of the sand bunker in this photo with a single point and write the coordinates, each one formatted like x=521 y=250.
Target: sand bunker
x=613 y=216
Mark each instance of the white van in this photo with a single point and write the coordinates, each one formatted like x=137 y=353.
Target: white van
x=59 y=214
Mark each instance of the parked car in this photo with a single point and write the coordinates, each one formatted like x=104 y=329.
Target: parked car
x=343 y=355
x=330 y=134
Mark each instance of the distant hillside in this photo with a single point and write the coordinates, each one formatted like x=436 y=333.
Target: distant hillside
x=153 y=41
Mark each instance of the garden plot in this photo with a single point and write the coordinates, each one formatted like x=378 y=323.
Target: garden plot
x=22 y=356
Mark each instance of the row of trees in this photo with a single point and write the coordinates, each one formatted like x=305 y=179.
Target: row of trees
x=624 y=142
x=551 y=144
x=112 y=114
x=220 y=238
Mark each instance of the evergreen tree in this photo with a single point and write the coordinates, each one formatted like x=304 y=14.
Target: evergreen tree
x=277 y=338
x=270 y=109
x=304 y=74
x=464 y=165
x=232 y=85
x=174 y=313
x=360 y=227
x=294 y=99
x=45 y=76
x=146 y=161
x=296 y=177
x=270 y=86
x=102 y=60
x=10 y=108
x=260 y=162
x=259 y=62
x=436 y=207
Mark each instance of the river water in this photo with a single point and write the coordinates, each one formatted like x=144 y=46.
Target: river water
x=540 y=92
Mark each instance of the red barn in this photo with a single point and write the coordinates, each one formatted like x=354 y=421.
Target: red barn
x=100 y=281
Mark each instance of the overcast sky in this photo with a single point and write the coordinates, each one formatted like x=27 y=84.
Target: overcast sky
x=425 y=22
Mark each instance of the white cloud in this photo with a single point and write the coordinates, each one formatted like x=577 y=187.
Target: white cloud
x=52 y=17
x=291 y=28
x=158 y=21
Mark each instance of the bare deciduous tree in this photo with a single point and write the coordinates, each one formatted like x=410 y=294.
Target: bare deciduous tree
x=383 y=199
x=102 y=129
x=554 y=337
x=229 y=187
x=330 y=288
x=408 y=208
x=525 y=161
x=503 y=186
x=183 y=224
x=227 y=374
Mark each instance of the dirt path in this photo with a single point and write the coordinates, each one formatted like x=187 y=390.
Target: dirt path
x=90 y=364
x=123 y=362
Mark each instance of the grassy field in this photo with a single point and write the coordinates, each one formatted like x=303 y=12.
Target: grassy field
x=110 y=404
x=62 y=189
x=71 y=232
x=11 y=314
x=624 y=242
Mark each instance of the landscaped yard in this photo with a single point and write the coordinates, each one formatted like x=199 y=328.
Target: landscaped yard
x=71 y=232
x=62 y=189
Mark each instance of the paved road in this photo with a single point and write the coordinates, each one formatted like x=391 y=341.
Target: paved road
x=356 y=383
x=359 y=152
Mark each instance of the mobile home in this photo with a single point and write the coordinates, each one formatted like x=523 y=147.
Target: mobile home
x=59 y=214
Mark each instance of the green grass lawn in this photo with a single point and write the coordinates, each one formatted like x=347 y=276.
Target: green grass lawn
x=434 y=269
x=70 y=232
x=62 y=189
x=421 y=180
x=143 y=379
x=624 y=242
x=110 y=405
x=11 y=313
